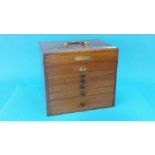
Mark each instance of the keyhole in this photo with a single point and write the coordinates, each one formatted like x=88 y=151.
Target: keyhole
x=83 y=68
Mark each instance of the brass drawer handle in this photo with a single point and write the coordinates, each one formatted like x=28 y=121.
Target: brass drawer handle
x=83 y=75
x=83 y=80
x=83 y=87
x=82 y=84
x=83 y=93
x=82 y=104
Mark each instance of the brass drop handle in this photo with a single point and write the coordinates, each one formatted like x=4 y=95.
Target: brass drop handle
x=83 y=79
x=83 y=87
x=83 y=76
x=82 y=104
x=83 y=93
x=82 y=43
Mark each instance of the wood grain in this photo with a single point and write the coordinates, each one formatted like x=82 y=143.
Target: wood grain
x=79 y=104
x=77 y=93
x=65 y=92
x=62 y=80
x=74 y=68
x=69 y=58
x=76 y=85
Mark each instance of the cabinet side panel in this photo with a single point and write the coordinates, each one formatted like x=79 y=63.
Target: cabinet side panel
x=114 y=90
x=46 y=88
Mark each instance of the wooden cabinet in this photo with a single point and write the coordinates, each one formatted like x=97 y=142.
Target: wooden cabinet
x=79 y=75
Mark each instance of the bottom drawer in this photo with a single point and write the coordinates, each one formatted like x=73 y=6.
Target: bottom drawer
x=79 y=104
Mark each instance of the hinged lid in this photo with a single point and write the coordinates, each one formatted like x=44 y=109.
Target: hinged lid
x=62 y=46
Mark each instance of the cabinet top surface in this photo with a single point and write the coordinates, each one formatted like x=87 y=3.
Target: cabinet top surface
x=59 y=46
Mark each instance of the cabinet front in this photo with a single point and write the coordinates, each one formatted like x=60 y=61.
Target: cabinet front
x=80 y=85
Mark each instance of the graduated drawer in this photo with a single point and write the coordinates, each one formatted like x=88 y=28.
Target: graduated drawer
x=67 y=79
x=78 y=92
x=69 y=86
x=79 y=104
x=55 y=70
x=79 y=75
x=54 y=88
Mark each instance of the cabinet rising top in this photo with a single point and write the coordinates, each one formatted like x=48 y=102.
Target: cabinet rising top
x=49 y=47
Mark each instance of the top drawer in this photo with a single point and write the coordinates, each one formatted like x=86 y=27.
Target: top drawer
x=76 y=57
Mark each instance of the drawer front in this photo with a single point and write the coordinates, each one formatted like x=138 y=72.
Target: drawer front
x=79 y=104
x=55 y=70
x=80 y=92
x=75 y=77
x=76 y=86
x=70 y=79
x=80 y=85
x=69 y=86
x=77 y=57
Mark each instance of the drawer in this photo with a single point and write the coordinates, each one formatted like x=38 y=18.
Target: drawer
x=81 y=103
x=80 y=92
x=79 y=75
x=53 y=88
x=75 y=78
x=90 y=75
x=74 y=57
x=69 y=86
x=75 y=68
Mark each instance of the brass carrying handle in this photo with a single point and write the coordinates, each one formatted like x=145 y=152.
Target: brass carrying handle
x=82 y=43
